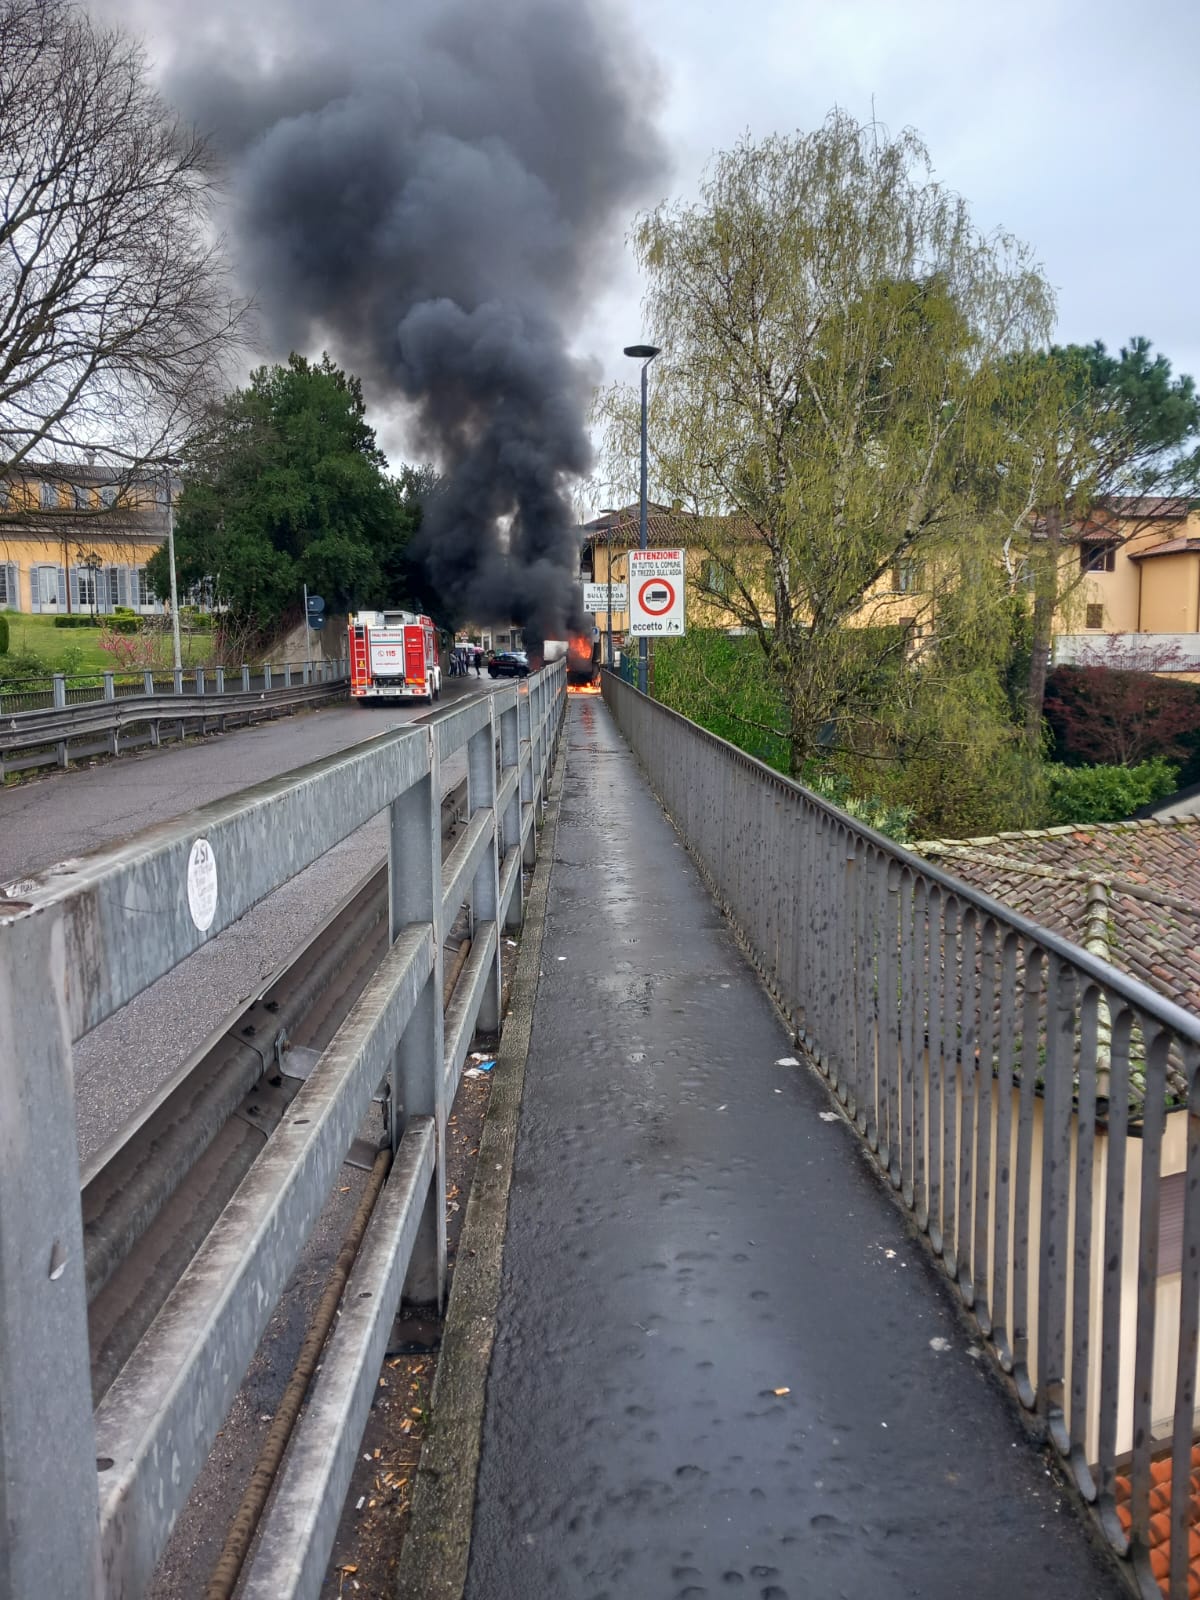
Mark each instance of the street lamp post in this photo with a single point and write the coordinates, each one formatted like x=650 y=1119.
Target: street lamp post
x=645 y=353
x=178 y=653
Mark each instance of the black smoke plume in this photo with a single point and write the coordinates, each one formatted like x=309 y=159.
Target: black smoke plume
x=434 y=197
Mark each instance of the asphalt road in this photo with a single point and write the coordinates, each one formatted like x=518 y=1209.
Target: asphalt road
x=121 y=1063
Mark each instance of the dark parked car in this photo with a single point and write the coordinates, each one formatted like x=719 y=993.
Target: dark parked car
x=508 y=664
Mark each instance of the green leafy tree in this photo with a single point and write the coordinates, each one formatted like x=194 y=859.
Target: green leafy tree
x=834 y=336
x=286 y=486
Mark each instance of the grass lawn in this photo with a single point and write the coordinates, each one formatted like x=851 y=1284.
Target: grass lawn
x=78 y=649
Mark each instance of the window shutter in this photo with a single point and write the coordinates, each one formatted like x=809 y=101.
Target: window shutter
x=35 y=588
x=14 y=586
x=1171 y=1191
x=122 y=586
x=62 y=586
x=74 y=588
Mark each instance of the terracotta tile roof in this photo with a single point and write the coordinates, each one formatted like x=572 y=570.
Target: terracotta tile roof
x=666 y=527
x=1173 y=547
x=1150 y=868
x=1160 y=1520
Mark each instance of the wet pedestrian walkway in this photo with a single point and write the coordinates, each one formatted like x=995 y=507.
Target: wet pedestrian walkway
x=721 y=1365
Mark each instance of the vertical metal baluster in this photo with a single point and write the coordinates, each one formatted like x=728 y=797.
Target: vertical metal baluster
x=876 y=901
x=922 y=1042
x=854 y=983
x=999 y=1307
x=844 y=957
x=1111 y=1354
x=937 y=1059
x=1031 y=1021
x=985 y=1092
x=907 y=1034
x=1157 y=1041
x=889 y=890
x=1189 y=1318
x=1056 y=1198
x=952 y=997
x=1081 y=1287
x=968 y=1093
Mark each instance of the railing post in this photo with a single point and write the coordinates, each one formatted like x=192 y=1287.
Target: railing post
x=525 y=734
x=200 y=680
x=418 y=1072
x=245 y=678
x=59 y=689
x=110 y=687
x=220 y=677
x=177 y=675
x=510 y=755
x=287 y=675
x=148 y=680
x=485 y=890
x=47 y=1441
x=307 y=671
x=266 y=674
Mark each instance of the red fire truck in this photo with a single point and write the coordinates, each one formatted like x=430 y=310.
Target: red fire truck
x=393 y=654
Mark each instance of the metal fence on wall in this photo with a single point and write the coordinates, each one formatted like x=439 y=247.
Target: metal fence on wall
x=57 y=690
x=87 y=1501
x=1025 y=1099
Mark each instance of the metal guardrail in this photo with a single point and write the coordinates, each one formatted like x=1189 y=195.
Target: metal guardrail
x=1012 y=1088
x=57 y=690
x=87 y=1501
x=48 y=735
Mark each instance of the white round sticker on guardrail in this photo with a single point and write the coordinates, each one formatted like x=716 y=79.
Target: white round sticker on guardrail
x=202 y=884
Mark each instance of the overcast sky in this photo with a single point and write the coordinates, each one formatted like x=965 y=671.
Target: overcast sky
x=1070 y=123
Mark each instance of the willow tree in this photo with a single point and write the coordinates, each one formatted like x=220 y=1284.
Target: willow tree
x=834 y=332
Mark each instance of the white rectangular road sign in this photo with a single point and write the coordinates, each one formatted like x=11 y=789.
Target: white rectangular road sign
x=656 y=579
x=595 y=597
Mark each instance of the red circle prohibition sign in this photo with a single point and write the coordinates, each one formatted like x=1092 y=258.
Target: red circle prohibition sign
x=656 y=605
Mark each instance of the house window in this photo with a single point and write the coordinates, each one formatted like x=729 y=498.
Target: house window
x=906 y=576
x=716 y=579
x=114 y=588
x=1097 y=555
x=145 y=594
x=81 y=497
x=46 y=586
x=85 y=578
x=7 y=598
x=48 y=496
x=1171 y=1190
x=108 y=495
x=1095 y=617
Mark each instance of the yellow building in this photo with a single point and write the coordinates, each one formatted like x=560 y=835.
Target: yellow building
x=1133 y=572
x=718 y=562
x=1130 y=579
x=71 y=540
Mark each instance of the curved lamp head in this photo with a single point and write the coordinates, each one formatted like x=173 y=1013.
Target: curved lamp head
x=642 y=352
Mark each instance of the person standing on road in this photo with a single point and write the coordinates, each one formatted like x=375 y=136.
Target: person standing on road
x=478 y=663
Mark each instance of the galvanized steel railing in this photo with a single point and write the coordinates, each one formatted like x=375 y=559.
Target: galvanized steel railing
x=69 y=718
x=1025 y=1099
x=58 y=690
x=87 y=1502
